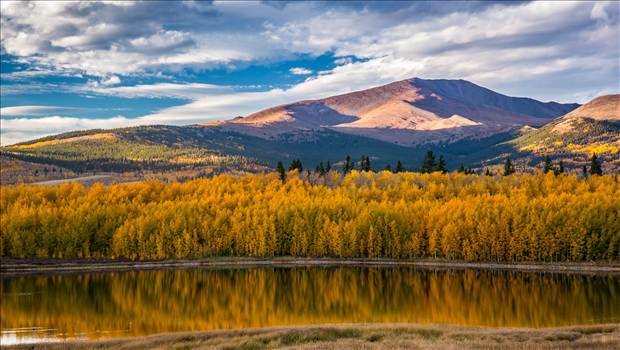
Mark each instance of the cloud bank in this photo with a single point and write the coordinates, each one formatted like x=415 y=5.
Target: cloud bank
x=564 y=51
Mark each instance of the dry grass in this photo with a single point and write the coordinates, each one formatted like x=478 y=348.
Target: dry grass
x=100 y=136
x=369 y=336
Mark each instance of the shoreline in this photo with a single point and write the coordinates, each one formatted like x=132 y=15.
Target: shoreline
x=367 y=336
x=16 y=267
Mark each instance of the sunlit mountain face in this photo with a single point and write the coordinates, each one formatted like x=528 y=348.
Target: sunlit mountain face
x=75 y=66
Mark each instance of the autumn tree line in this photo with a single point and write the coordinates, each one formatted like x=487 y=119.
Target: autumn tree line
x=540 y=217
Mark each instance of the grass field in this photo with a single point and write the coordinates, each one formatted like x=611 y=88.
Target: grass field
x=370 y=336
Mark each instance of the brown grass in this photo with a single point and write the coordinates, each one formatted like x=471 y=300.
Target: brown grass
x=368 y=336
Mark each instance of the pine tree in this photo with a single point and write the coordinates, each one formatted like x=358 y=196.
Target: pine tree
x=388 y=167
x=595 y=166
x=328 y=167
x=560 y=169
x=461 y=169
x=547 y=167
x=365 y=163
x=441 y=166
x=487 y=172
x=509 y=168
x=320 y=169
x=399 y=167
x=296 y=164
x=347 y=165
x=429 y=164
x=584 y=171
x=281 y=171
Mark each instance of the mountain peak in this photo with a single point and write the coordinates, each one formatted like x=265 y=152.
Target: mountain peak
x=407 y=112
x=605 y=107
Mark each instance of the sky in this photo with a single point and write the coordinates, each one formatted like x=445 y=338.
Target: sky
x=83 y=65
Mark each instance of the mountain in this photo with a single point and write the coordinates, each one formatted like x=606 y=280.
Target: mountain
x=574 y=137
x=464 y=122
x=409 y=112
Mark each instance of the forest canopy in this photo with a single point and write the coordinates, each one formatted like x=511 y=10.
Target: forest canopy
x=539 y=217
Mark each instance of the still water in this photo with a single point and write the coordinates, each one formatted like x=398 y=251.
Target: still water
x=113 y=304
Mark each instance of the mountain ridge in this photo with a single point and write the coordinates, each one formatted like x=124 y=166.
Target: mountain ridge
x=446 y=110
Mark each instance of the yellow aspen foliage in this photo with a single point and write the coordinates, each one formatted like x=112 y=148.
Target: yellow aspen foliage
x=363 y=214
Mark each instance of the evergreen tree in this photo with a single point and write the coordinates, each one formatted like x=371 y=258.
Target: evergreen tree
x=328 y=167
x=595 y=166
x=388 y=167
x=429 y=164
x=461 y=169
x=347 y=165
x=399 y=167
x=487 y=172
x=365 y=163
x=320 y=169
x=584 y=170
x=281 y=171
x=296 y=164
x=441 y=166
x=509 y=168
x=560 y=169
x=547 y=167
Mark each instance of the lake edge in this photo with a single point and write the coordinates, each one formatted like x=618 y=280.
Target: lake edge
x=17 y=267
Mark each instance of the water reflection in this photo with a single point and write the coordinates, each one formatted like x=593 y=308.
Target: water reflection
x=145 y=302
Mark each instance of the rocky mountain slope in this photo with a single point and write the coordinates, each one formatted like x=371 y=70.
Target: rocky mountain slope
x=409 y=112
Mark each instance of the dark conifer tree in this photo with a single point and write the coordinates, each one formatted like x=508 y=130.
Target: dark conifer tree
x=296 y=164
x=388 y=167
x=365 y=163
x=441 y=166
x=399 y=167
x=509 y=168
x=347 y=165
x=429 y=164
x=461 y=169
x=547 y=167
x=328 y=167
x=560 y=169
x=487 y=172
x=584 y=171
x=595 y=166
x=281 y=171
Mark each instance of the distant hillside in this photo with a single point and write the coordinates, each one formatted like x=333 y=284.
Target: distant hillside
x=411 y=112
x=467 y=124
x=591 y=128
x=127 y=149
x=14 y=171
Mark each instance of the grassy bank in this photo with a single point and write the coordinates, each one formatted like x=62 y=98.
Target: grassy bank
x=52 y=266
x=366 y=337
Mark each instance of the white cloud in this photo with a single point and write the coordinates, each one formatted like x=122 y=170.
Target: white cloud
x=300 y=71
x=113 y=80
x=22 y=129
x=32 y=110
x=536 y=49
x=160 y=90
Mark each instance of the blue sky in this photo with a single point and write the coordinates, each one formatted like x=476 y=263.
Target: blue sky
x=79 y=65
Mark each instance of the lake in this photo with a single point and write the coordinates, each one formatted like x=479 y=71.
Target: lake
x=121 y=304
